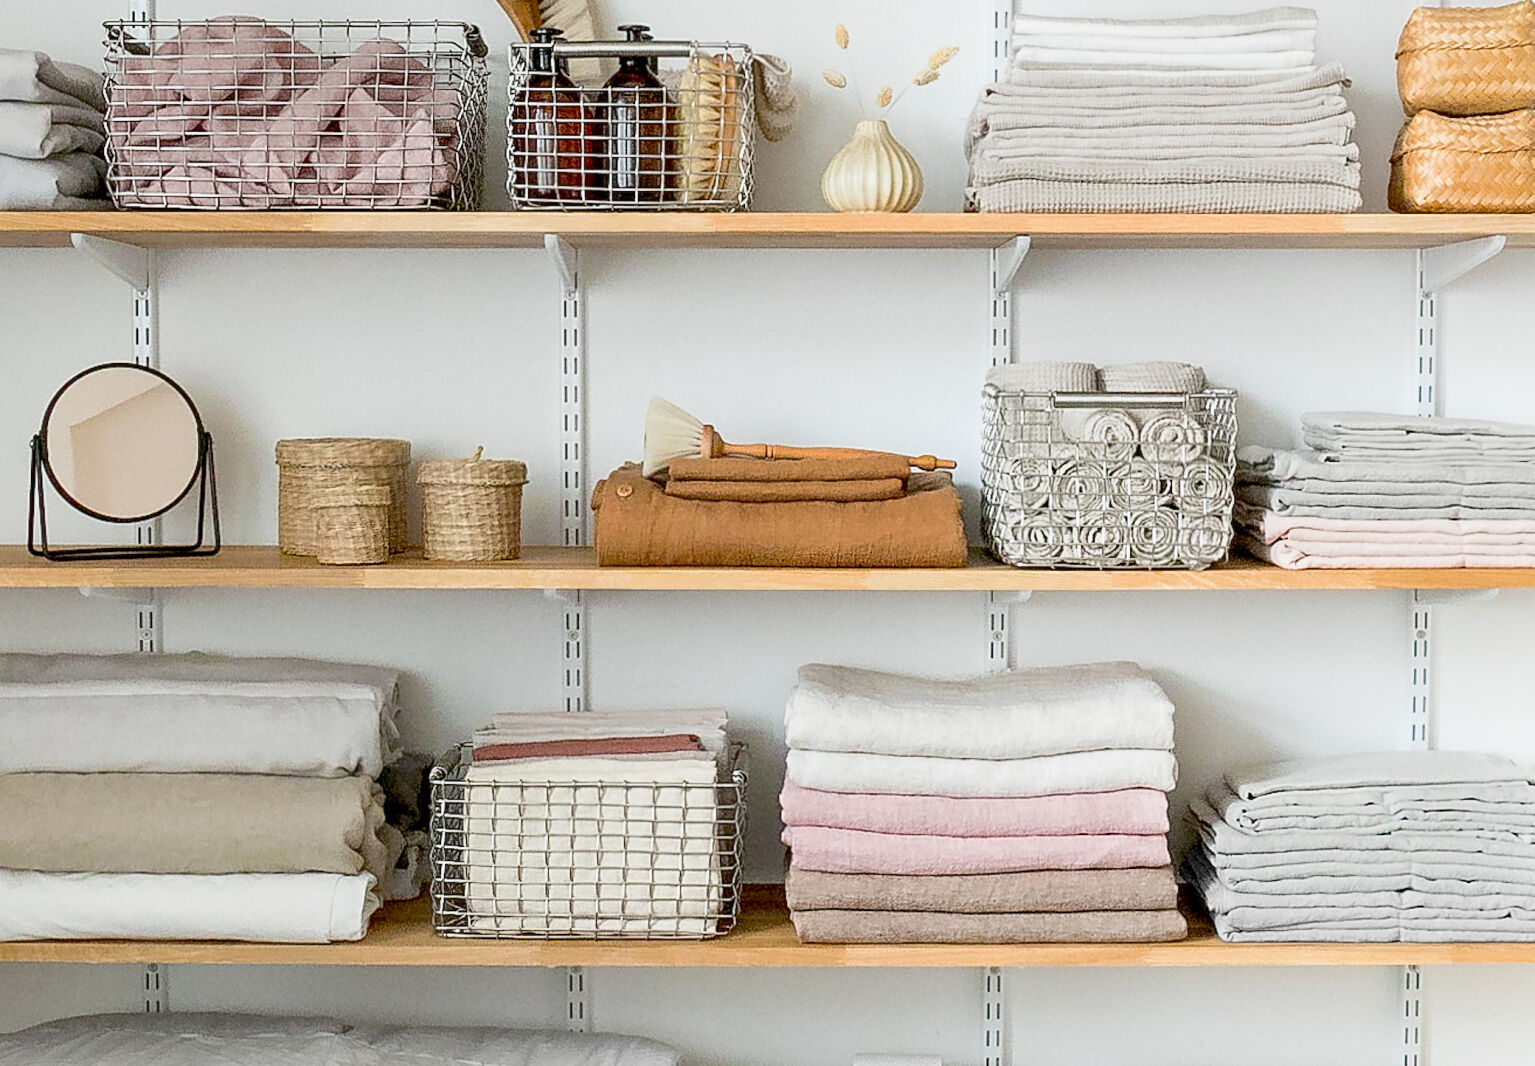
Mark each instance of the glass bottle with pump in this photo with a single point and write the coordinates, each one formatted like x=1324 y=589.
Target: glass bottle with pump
x=640 y=122
x=556 y=153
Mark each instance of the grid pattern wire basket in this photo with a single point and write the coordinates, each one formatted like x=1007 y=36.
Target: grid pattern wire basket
x=238 y=113
x=685 y=147
x=586 y=860
x=1101 y=480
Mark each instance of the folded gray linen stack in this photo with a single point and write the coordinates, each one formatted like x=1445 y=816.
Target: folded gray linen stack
x=51 y=134
x=1397 y=846
x=1212 y=114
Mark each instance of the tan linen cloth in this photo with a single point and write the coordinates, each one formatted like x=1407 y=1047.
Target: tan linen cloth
x=872 y=477
x=787 y=491
x=638 y=524
x=1055 y=891
x=921 y=927
x=192 y=824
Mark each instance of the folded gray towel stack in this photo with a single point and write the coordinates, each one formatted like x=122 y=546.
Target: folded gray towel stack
x=1400 y=846
x=1211 y=114
x=51 y=132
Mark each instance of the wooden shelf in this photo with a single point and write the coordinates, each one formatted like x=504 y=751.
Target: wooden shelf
x=526 y=229
x=576 y=568
x=402 y=936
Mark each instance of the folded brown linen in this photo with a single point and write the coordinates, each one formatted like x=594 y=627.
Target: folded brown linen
x=876 y=467
x=192 y=824
x=924 y=927
x=1054 y=891
x=551 y=749
x=639 y=525
x=787 y=491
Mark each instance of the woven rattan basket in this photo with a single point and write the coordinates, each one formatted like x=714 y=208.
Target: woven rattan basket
x=471 y=509
x=1468 y=60
x=352 y=524
x=1480 y=164
x=307 y=467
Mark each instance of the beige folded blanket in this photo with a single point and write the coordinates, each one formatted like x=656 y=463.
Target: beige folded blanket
x=917 y=927
x=193 y=824
x=1054 y=891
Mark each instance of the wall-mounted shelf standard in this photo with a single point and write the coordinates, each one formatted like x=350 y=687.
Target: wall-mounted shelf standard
x=528 y=229
x=402 y=936
x=577 y=569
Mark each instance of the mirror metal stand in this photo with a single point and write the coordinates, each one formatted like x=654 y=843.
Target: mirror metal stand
x=207 y=515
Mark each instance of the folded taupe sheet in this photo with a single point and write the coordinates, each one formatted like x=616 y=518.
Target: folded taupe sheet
x=1052 y=891
x=639 y=525
x=193 y=824
x=925 y=927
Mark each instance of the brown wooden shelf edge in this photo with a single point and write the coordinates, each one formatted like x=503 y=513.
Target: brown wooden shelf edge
x=402 y=936
x=576 y=568
x=748 y=229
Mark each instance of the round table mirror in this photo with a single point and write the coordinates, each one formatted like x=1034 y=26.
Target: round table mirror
x=122 y=442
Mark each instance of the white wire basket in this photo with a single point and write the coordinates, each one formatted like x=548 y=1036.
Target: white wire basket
x=685 y=147
x=239 y=113
x=1101 y=480
x=586 y=860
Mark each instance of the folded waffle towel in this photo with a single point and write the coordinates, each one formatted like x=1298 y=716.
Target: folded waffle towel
x=1194 y=196
x=1175 y=58
x=1140 y=889
x=929 y=927
x=193 y=824
x=1152 y=376
x=639 y=525
x=1044 y=376
x=1009 y=715
x=1269 y=20
x=1224 y=85
x=991 y=169
x=852 y=851
x=1045 y=775
x=773 y=98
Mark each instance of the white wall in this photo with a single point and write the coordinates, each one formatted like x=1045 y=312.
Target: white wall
x=458 y=348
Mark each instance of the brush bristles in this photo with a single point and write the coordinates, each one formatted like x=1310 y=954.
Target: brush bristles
x=670 y=433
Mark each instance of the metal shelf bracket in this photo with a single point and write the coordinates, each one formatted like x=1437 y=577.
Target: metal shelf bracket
x=1004 y=265
x=578 y=1000
x=156 y=987
x=993 y=1021
x=573 y=473
x=1436 y=270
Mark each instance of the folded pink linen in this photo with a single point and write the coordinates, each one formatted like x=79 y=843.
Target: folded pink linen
x=1411 y=557
x=852 y=851
x=1139 y=811
x=1270 y=526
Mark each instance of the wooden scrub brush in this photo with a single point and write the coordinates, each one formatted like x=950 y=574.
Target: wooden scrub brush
x=671 y=433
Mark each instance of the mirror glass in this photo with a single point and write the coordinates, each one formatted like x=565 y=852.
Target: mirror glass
x=122 y=442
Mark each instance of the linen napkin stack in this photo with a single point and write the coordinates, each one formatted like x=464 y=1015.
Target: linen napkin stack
x=1381 y=490
x=1210 y=114
x=1399 y=846
x=193 y=797
x=1018 y=807
x=51 y=132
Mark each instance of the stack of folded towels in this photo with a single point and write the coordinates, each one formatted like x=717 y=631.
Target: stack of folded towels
x=1212 y=114
x=1381 y=490
x=51 y=133
x=592 y=824
x=869 y=511
x=1018 y=807
x=175 y=797
x=1409 y=846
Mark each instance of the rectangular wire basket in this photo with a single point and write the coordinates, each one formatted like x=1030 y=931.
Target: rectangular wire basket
x=240 y=113
x=1101 y=480
x=586 y=860
x=685 y=147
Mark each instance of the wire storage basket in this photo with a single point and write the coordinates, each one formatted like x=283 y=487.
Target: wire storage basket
x=685 y=146
x=241 y=113
x=586 y=860
x=1101 y=480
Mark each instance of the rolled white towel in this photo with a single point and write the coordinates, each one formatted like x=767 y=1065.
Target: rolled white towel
x=1155 y=536
x=1029 y=481
x=1204 y=488
x=1081 y=488
x=1105 y=433
x=1101 y=539
x=1206 y=538
x=1044 y=377
x=1138 y=485
x=1174 y=437
x=1040 y=539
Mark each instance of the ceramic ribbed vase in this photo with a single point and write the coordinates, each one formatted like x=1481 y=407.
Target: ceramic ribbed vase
x=872 y=172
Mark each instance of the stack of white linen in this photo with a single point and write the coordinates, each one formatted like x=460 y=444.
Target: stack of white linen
x=52 y=128
x=177 y=797
x=1381 y=490
x=1210 y=114
x=594 y=824
x=1399 y=846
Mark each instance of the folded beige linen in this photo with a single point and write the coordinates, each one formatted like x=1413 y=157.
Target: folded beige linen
x=192 y=824
x=1055 y=891
x=918 y=927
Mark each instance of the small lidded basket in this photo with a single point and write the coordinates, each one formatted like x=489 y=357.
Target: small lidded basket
x=471 y=509
x=352 y=524
x=306 y=468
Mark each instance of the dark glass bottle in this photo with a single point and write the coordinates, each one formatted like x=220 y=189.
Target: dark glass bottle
x=557 y=155
x=639 y=129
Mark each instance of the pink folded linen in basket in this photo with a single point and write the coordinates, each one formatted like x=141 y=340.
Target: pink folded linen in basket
x=194 y=126
x=1138 y=811
x=851 y=851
